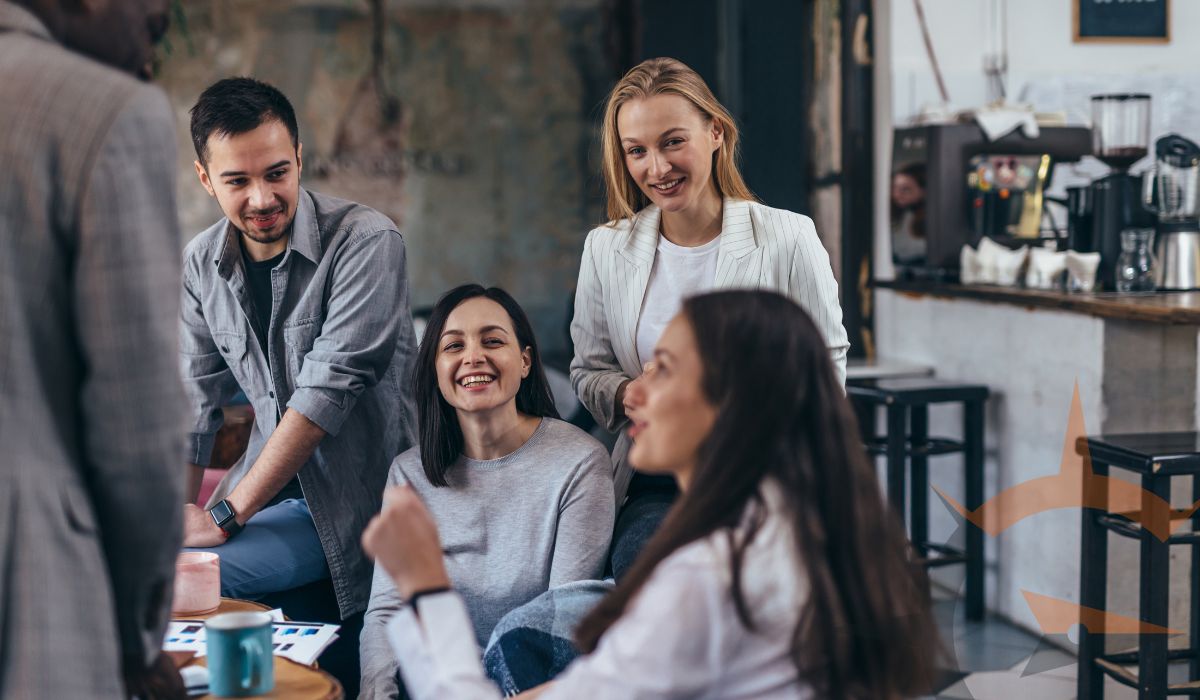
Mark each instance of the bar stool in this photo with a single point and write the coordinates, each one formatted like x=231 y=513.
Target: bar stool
x=907 y=445
x=1157 y=458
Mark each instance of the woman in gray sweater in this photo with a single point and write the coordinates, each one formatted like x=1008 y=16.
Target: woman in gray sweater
x=524 y=502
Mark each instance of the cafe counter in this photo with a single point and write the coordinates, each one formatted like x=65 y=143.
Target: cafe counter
x=1133 y=360
x=1178 y=308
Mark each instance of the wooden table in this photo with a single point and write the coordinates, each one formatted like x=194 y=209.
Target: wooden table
x=292 y=680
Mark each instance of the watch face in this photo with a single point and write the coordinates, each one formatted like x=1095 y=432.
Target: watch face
x=221 y=512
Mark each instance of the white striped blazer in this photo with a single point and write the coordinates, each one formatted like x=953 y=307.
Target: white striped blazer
x=761 y=248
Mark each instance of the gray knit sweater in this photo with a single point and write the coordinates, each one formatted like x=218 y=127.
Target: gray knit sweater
x=511 y=529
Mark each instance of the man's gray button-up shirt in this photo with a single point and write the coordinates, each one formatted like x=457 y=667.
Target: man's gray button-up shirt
x=339 y=351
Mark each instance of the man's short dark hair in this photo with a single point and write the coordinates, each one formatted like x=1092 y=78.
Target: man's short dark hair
x=236 y=105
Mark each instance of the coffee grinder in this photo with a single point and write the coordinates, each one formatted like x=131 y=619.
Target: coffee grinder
x=1172 y=190
x=1120 y=137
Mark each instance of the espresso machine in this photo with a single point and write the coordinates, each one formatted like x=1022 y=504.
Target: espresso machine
x=951 y=186
x=1120 y=137
x=1172 y=191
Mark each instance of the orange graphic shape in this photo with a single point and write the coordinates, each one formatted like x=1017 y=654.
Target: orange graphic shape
x=1074 y=486
x=1057 y=616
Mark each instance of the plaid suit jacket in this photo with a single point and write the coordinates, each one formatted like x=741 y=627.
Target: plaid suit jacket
x=91 y=405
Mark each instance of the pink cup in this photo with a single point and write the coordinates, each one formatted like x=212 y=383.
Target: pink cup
x=197 y=584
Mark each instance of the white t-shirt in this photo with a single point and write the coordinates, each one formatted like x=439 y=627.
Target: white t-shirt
x=678 y=273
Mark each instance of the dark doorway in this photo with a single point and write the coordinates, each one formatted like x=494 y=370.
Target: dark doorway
x=757 y=58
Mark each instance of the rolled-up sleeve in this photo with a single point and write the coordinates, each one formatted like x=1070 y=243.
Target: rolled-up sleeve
x=207 y=381
x=368 y=301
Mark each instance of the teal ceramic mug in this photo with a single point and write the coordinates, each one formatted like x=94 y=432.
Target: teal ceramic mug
x=240 y=661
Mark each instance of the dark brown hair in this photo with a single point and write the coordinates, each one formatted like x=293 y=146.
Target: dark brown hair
x=439 y=434
x=235 y=106
x=865 y=630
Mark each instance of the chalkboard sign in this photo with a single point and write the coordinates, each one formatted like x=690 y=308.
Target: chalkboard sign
x=1136 y=21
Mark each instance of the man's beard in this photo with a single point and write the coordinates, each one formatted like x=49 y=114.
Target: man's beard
x=258 y=235
x=263 y=237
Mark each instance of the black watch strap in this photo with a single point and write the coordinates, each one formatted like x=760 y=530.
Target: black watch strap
x=225 y=517
x=417 y=595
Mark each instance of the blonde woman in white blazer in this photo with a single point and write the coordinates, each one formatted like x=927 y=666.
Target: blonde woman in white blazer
x=682 y=222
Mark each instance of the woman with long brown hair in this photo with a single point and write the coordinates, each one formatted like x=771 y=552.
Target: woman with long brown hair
x=681 y=222
x=779 y=573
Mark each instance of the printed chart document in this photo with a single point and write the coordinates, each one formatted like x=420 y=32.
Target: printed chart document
x=301 y=642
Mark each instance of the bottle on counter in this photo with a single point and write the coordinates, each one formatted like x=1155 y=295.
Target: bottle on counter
x=1135 y=266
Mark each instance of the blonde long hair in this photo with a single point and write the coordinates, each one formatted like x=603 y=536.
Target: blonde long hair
x=665 y=76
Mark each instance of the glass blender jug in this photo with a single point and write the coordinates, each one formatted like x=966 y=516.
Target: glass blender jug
x=1171 y=189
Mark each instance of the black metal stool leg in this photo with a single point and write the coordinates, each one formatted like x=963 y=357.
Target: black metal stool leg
x=973 y=466
x=897 y=432
x=1194 y=616
x=865 y=412
x=919 y=436
x=1093 y=593
x=1154 y=589
x=904 y=442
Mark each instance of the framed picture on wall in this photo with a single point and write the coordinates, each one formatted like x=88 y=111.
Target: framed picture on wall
x=1122 y=21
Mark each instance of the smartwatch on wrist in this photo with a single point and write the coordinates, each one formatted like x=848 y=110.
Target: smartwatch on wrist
x=225 y=518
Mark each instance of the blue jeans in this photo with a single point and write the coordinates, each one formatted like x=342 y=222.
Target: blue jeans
x=637 y=522
x=277 y=550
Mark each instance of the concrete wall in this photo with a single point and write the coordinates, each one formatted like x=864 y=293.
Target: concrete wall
x=1023 y=357
x=489 y=171
x=1040 y=47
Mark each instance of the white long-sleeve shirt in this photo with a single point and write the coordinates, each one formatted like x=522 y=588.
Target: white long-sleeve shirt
x=679 y=638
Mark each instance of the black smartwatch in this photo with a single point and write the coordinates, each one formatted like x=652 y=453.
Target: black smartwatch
x=225 y=518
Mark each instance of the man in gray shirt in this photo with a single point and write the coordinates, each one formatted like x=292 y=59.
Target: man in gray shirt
x=300 y=300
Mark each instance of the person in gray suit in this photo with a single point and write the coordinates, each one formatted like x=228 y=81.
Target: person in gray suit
x=91 y=405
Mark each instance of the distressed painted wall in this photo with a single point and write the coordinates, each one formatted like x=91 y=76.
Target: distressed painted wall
x=477 y=137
